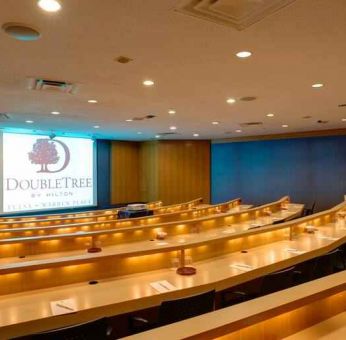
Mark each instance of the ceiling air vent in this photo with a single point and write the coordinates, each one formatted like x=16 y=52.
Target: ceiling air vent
x=4 y=117
x=167 y=133
x=150 y=116
x=239 y=14
x=46 y=85
x=123 y=60
x=248 y=98
x=250 y=124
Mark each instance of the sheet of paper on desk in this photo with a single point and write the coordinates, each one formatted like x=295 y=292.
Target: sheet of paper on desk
x=241 y=266
x=61 y=307
x=256 y=224
x=328 y=238
x=295 y=251
x=163 y=286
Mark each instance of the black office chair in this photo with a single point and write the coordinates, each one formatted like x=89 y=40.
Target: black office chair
x=304 y=272
x=276 y=281
x=270 y=283
x=309 y=210
x=98 y=329
x=176 y=310
x=328 y=264
x=343 y=254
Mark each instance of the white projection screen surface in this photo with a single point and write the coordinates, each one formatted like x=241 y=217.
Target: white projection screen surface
x=39 y=173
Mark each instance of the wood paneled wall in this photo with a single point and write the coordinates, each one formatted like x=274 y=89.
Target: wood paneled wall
x=148 y=172
x=170 y=171
x=124 y=172
x=183 y=171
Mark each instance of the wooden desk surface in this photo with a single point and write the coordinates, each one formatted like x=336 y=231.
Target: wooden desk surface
x=70 y=215
x=32 y=262
x=330 y=329
x=295 y=210
x=97 y=215
x=30 y=311
x=139 y=220
x=247 y=313
x=156 y=206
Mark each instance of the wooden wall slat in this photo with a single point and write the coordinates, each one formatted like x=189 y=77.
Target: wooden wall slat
x=184 y=171
x=148 y=174
x=124 y=172
x=170 y=171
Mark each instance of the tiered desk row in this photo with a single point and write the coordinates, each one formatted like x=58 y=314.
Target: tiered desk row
x=29 y=229
x=89 y=216
x=314 y=310
x=35 y=239
x=58 y=266
x=120 y=241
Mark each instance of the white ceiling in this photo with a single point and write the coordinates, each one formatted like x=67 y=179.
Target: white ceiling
x=192 y=62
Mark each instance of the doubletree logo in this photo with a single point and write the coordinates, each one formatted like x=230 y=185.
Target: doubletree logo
x=44 y=152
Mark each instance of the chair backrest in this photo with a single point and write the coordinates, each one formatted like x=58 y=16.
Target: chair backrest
x=180 y=309
x=98 y=329
x=312 y=209
x=309 y=210
x=276 y=281
x=324 y=264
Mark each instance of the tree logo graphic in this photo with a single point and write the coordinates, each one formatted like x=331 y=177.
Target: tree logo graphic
x=44 y=152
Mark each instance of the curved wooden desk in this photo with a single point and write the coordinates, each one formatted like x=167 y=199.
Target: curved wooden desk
x=89 y=216
x=19 y=274
x=101 y=214
x=30 y=245
x=260 y=318
x=24 y=230
x=29 y=311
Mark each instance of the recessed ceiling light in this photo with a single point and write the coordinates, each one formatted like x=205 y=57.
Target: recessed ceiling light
x=49 y=5
x=172 y=127
x=148 y=82
x=343 y=119
x=284 y=125
x=55 y=113
x=244 y=54
x=230 y=100
x=92 y=101
x=196 y=135
x=139 y=133
x=96 y=126
x=29 y=121
x=270 y=115
x=172 y=111
x=317 y=85
x=238 y=131
x=215 y=123
x=129 y=120
x=157 y=136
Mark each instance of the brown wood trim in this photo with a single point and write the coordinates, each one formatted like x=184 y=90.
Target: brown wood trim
x=303 y=134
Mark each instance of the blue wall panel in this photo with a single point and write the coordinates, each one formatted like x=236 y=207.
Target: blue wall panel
x=103 y=173
x=307 y=169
